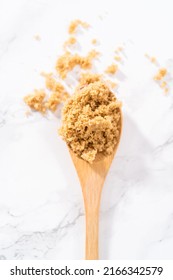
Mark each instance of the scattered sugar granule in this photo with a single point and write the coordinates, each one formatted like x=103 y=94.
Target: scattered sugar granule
x=94 y=41
x=59 y=94
x=119 y=49
x=151 y=58
x=160 y=74
x=52 y=84
x=68 y=61
x=166 y=90
x=36 y=100
x=37 y=37
x=93 y=54
x=74 y=25
x=163 y=84
x=71 y=41
x=111 y=69
x=111 y=84
x=117 y=58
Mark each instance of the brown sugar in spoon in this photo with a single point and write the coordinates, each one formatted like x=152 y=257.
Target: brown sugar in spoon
x=92 y=177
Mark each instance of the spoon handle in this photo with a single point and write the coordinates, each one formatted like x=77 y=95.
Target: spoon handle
x=92 y=177
x=92 y=229
x=92 y=194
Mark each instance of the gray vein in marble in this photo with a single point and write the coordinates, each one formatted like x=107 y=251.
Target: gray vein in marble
x=42 y=239
x=166 y=144
x=168 y=230
x=6 y=45
x=3 y=115
x=2 y=257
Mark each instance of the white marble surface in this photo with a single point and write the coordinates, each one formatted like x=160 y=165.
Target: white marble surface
x=41 y=208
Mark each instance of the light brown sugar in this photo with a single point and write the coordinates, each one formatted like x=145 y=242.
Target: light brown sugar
x=91 y=121
x=36 y=100
x=94 y=41
x=117 y=58
x=68 y=61
x=88 y=78
x=160 y=74
x=111 y=69
x=74 y=25
x=70 y=41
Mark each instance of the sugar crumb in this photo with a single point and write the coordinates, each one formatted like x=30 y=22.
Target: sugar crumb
x=52 y=84
x=111 y=69
x=117 y=58
x=94 y=41
x=163 y=84
x=71 y=41
x=74 y=25
x=58 y=92
x=36 y=100
x=119 y=49
x=153 y=59
x=37 y=37
x=68 y=61
x=111 y=84
x=160 y=74
x=166 y=90
x=88 y=78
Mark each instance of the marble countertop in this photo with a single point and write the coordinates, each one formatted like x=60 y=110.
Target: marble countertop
x=41 y=206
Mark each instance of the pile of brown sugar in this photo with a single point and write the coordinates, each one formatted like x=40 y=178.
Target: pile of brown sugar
x=91 y=121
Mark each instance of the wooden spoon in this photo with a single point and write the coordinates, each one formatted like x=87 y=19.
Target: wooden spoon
x=92 y=177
